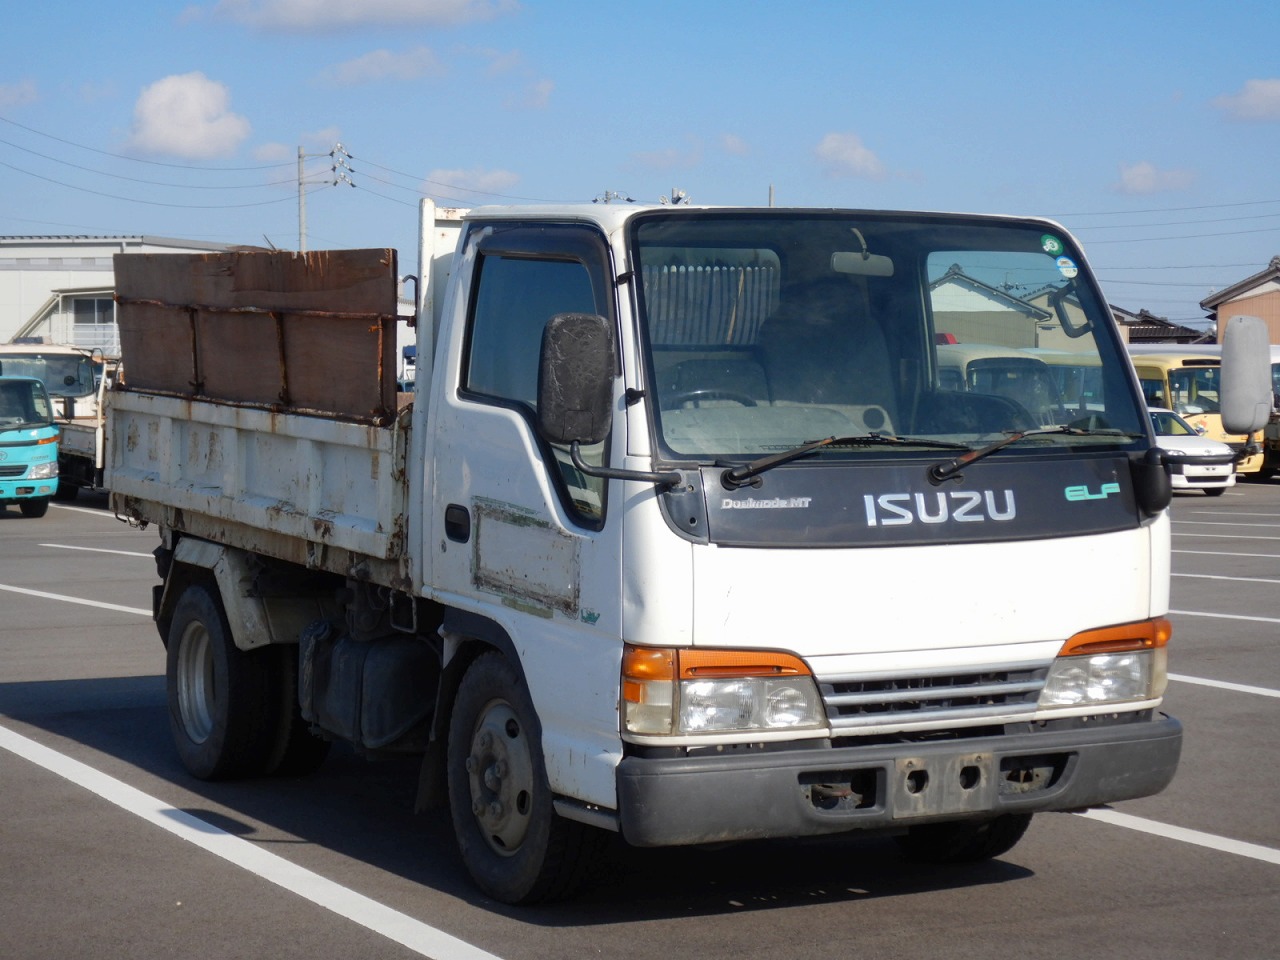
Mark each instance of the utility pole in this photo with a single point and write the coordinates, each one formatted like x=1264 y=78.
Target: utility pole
x=341 y=171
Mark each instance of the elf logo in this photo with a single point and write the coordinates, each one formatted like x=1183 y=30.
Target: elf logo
x=1082 y=492
x=958 y=506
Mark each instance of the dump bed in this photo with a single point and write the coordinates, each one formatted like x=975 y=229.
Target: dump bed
x=259 y=405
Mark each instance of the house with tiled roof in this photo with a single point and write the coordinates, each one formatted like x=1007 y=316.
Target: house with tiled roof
x=1145 y=327
x=1255 y=296
x=61 y=287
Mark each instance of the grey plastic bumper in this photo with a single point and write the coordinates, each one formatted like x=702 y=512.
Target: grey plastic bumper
x=806 y=792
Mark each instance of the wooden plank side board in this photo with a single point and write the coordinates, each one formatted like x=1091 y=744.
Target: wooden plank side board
x=309 y=333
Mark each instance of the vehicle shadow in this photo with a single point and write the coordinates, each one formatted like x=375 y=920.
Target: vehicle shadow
x=364 y=810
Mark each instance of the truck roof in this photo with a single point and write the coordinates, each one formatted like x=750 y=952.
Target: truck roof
x=611 y=216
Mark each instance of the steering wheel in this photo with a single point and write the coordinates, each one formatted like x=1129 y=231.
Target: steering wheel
x=695 y=397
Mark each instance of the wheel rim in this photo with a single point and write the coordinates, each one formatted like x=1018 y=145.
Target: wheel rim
x=195 y=682
x=500 y=774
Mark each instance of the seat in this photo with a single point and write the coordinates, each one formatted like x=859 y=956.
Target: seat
x=821 y=346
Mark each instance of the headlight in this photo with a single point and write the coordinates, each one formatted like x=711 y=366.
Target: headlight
x=1112 y=665
x=43 y=471
x=690 y=692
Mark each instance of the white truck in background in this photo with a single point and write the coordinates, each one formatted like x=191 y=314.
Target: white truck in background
x=76 y=380
x=680 y=536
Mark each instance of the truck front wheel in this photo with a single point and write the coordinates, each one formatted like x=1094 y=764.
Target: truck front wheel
x=220 y=697
x=965 y=841
x=34 y=508
x=517 y=849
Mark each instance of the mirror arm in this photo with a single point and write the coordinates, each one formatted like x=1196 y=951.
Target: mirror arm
x=663 y=479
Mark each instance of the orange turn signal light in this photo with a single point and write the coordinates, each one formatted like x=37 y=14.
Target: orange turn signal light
x=641 y=665
x=1140 y=635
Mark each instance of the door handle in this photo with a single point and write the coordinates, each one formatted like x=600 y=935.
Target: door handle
x=457 y=523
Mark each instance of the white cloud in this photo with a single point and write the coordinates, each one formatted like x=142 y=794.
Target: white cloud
x=499 y=61
x=274 y=152
x=187 y=115
x=385 y=65
x=1144 y=178
x=734 y=144
x=845 y=155
x=537 y=95
x=671 y=158
x=469 y=181
x=318 y=141
x=18 y=94
x=301 y=15
x=1257 y=100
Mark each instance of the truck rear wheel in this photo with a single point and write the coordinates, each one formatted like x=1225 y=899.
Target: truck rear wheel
x=965 y=841
x=296 y=751
x=516 y=847
x=221 y=703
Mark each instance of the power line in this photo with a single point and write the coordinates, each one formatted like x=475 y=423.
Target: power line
x=154 y=183
x=155 y=163
x=152 y=203
x=452 y=186
x=1209 y=206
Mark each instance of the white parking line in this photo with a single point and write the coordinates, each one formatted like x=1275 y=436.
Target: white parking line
x=1225 y=616
x=1224 y=553
x=65 y=599
x=1200 y=839
x=1224 y=685
x=1233 y=536
x=419 y=937
x=1214 y=576
x=120 y=553
x=96 y=513
x=1223 y=523
x=1232 y=513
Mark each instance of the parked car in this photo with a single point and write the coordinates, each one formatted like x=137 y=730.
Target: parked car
x=1202 y=464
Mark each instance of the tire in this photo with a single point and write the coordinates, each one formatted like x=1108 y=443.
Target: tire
x=222 y=700
x=1214 y=491
x=66 y=492
x=964 y=841
x=516 y=847
x=296 y=752
x=34 y=508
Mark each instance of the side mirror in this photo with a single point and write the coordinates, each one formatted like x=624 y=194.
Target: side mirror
x=1246 y=375
x=575 y=378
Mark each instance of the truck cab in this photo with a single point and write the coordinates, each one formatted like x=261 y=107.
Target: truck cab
x=28 y=446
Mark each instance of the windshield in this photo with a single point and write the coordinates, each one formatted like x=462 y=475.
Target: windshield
x=23 y=403
x=63 y=374
x=768 y=331
x=1194 y=390
x=1171 y=425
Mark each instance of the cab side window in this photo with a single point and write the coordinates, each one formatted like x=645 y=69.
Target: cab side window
x=516 y=293
x=514 y=300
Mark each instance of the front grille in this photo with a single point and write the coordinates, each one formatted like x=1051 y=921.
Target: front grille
x=862 y=705
x=11 y=470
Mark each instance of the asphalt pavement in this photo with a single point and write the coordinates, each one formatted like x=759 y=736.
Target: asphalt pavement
x=108 y=849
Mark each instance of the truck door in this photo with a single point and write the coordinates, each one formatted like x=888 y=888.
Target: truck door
x=520 y=538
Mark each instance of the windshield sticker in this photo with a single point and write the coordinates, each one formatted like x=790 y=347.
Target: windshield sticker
x=1051 y=245
x=1067 y=267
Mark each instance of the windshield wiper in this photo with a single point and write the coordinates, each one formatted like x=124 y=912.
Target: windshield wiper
x=949 y=468
x=743 y=475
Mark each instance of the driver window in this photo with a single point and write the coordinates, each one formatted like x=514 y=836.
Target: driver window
x=515 y=297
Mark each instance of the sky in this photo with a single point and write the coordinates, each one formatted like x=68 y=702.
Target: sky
x=1151 y=131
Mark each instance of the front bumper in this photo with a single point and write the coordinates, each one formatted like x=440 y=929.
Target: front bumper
x=808 y=792
x=1192 y=475
x=17 y=490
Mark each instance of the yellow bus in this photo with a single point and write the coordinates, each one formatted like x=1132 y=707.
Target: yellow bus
x=1187 y=380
